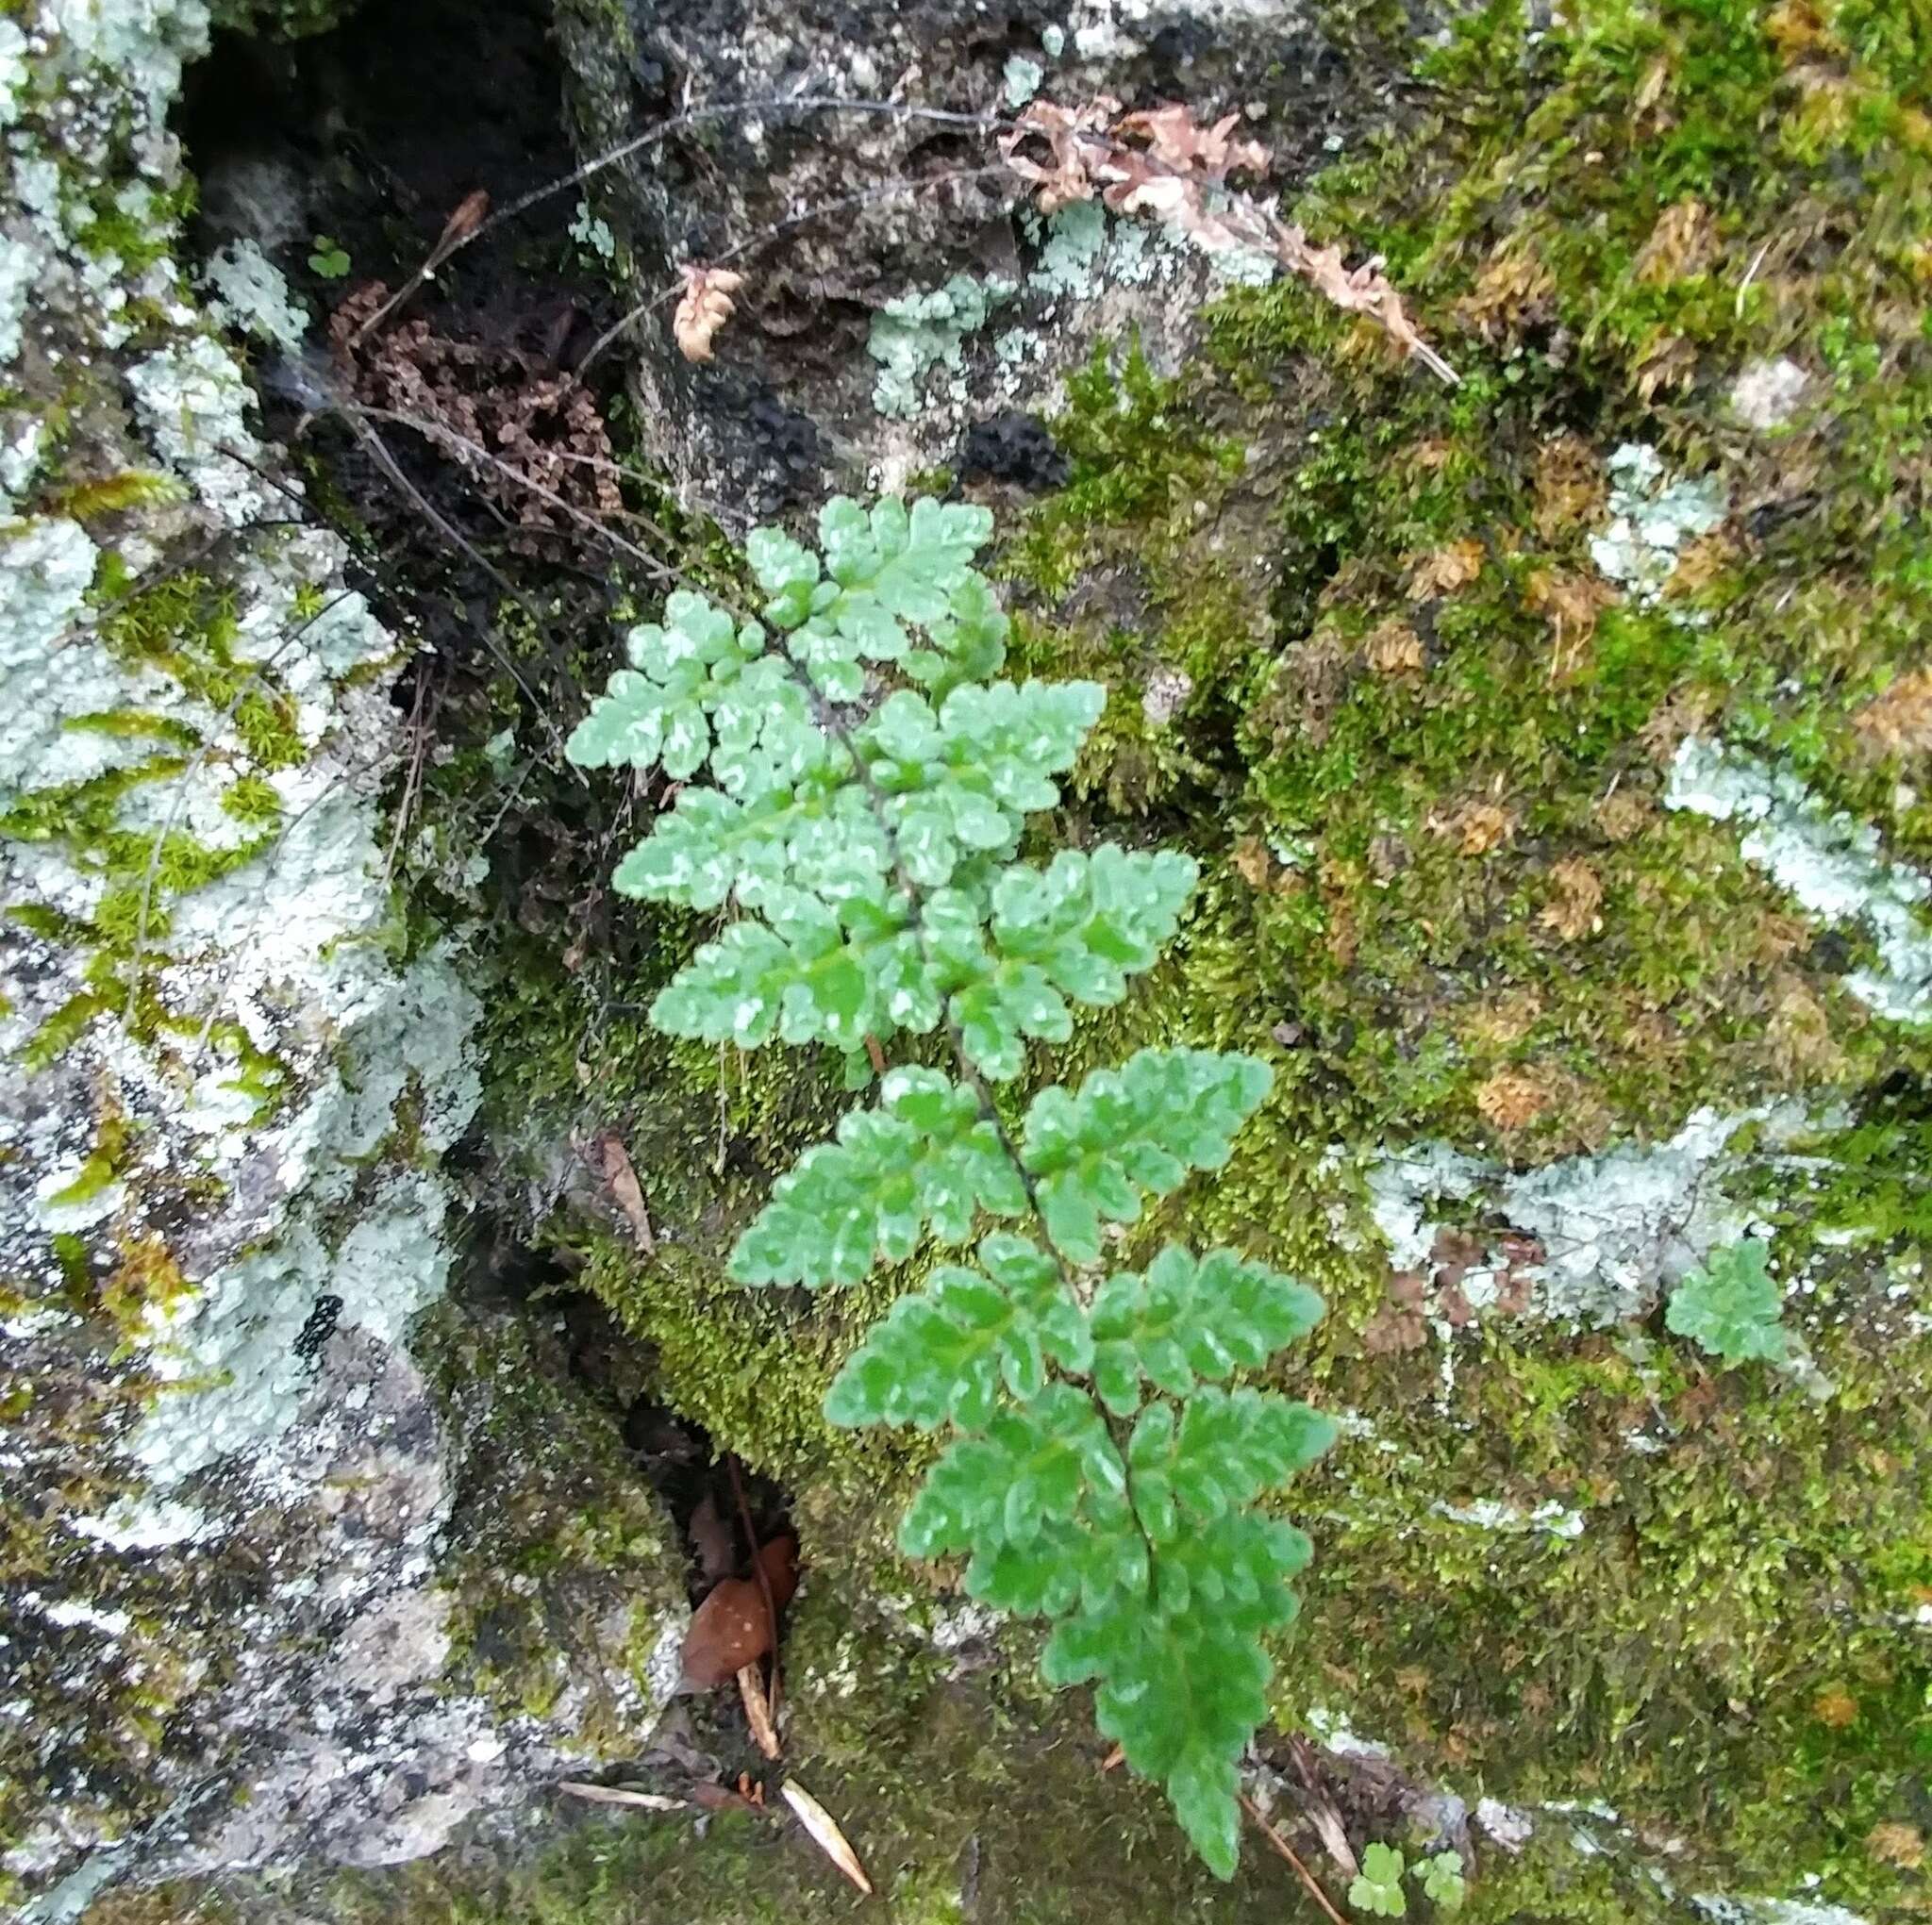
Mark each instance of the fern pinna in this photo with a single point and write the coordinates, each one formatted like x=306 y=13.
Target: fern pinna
x=869 y=780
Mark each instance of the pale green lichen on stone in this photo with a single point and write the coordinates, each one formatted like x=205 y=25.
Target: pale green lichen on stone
x=917 y=333
x=1832 y=864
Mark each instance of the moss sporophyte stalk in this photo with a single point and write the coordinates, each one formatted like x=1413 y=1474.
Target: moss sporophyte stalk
x=869 y=782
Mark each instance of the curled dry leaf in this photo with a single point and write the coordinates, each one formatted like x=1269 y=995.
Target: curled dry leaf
x=1174 y=137
x=1072 y=137
x=1090 y=149
x=706 y=307
x=825 y=1833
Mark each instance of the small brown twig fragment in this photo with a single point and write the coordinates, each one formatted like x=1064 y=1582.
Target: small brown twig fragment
x=1115 y=1758
x=759 y=1571
x=1287 y=1852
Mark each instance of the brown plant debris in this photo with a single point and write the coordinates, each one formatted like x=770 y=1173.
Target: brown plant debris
x=1625 y=814
x=1570 y=484
x=1683 y=242
x=611 y=1161
x=704 y=309
x=1393 y=648
x=1897 y=1844
x=1512 y=1099
x=1898 y=720
x=758 y=1710
x=1577 y=895
x=1476 y=827
x=1445 y=571
x=1180 y=177
x=1514 y=292
x=1572 y=600
x=531 y=437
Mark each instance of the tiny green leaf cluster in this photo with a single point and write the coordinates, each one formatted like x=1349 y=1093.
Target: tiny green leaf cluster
x=1376 y=1889
x=1732 y=1306
x=855 y=784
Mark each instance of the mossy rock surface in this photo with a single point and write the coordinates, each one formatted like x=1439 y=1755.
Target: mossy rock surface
x=1368 y=666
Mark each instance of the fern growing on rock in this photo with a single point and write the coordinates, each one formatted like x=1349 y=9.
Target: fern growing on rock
x=866 y=780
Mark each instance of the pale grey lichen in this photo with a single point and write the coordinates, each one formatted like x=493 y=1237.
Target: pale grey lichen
x=1833 y=865
x=1614 y=1228
x=1022 y=80
x=193 y=399
x=1652 y=518
x=251 y=295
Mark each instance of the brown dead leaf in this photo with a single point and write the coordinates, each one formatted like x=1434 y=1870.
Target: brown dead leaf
x=1445 y=571
x=730 y=1630
x=1393 y=648
x=1898 y=720
x=1068 y=154
x=1072 y=138
x=1577 y=895
x=1457 y=1309
x=1391 y=1332
x=611 y=1161
x=825 y=1833
x=705 y=307
x=758 y=1710
x=1408 y=1288
x=1454 y=1254
x=470 y=214
x=1512 y=1099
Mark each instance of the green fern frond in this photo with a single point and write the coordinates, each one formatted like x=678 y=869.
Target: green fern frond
x=866 y=832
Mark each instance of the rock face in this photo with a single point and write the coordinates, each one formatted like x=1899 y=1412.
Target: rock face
x=899 y=297
x=235 y=1498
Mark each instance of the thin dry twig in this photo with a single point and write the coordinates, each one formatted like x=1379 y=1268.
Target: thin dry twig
x=651 y=137
x=825 y=1833
x=621 y=1793
x=1287 y=1852
x=758 y=1711
x=757 y=1566
x=883 y=191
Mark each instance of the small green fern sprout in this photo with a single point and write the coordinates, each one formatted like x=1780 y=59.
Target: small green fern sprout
x=855 y=781
x=1443 y=1883
x=1377 y=1887
x=1731 y=1307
